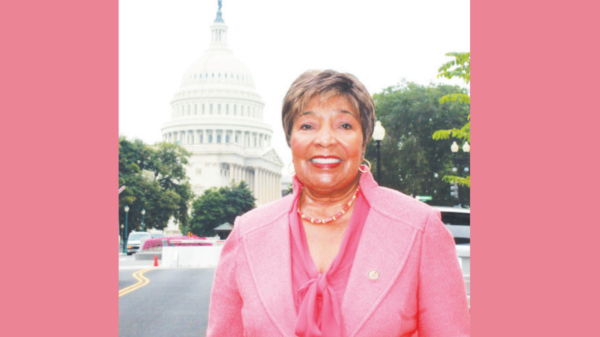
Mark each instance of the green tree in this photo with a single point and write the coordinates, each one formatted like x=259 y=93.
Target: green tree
x=217 y=206
x=459 y=67
x=411 y=161
x=156 y=181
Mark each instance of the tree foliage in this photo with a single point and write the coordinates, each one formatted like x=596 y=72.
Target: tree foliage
x=459 y=67
x=217 y=206
x=156 y=181
x=411 y=161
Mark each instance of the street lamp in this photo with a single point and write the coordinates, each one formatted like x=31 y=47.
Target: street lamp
x=467 y=147
x=125 y=233
x=378 y=135
x=454 y=148
x=143 y=224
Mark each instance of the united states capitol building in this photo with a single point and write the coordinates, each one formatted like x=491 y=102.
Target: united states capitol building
x=217 y=115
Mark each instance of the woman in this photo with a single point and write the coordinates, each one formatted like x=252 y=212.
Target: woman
x=341 y=256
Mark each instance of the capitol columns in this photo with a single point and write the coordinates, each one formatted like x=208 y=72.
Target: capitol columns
x=269 y=187
x=259 y=185
x=270 y=184
x=230 y=172
x=256 y=183
x=262 y=186
x=266 y=186
x=278 y=185
x=272 y=189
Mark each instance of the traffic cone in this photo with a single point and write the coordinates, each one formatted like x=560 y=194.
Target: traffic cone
x=155 y=260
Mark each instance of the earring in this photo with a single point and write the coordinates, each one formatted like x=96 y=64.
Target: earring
x=368 y=167
x=288 y=168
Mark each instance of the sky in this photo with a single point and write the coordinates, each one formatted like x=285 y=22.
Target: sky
x=381 y=42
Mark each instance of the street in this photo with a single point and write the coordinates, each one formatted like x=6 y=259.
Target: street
x=162 y=302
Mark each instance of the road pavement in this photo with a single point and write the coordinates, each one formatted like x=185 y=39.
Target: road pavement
x=174 y=302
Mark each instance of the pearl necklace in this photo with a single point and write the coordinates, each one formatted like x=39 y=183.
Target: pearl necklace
x=333 y=218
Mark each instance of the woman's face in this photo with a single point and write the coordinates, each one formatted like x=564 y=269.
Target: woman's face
x=327 y=144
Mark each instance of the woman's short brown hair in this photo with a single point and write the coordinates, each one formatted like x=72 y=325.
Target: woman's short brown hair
x=325 y=85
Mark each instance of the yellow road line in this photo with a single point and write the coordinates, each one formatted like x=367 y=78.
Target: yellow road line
x=141 y=281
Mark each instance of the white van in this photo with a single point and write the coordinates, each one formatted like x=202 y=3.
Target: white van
x=458 y=222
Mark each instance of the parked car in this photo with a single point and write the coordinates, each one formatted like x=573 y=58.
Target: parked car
x=133 y=241
x=458 y=222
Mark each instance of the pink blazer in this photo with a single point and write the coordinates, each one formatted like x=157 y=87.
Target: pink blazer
x=420 y=284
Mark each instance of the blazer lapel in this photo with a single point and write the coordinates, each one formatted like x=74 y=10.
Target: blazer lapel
x=384 y=248
x=269 y=257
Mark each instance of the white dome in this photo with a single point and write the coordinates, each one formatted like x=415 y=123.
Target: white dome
x=217 y=66
x=218 y=116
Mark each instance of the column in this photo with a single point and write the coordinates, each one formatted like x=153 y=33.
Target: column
x=257 y=185
x=264 y=195
x=266 y=185
x=230 y=171
x=269 y=189
x=258 y=194
x=278 y=181
x=271 y=194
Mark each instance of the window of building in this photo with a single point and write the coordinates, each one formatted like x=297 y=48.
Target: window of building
x=227 y=109
x=219 y=75
x=225 y=75
x=195 y=109
x=236 y=138
x=210 y=138
x=213 y=74
x=242 y=110
x=203 y=109
x=235 y=109
x=210 y=110
x=218 y=139
x=226 y=138
x=219 y=108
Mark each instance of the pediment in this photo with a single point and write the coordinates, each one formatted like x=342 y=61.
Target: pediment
x=272 y=156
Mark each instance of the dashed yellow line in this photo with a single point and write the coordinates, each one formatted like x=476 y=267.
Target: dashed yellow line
x=141 y=281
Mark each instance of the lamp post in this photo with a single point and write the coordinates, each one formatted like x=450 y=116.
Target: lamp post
x=125 y=233
x=143 y=224
x=454 y=148
x=378 y=135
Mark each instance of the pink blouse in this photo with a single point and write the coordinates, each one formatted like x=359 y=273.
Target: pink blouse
x=318 y=297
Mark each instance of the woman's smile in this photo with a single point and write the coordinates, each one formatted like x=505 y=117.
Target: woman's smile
x=325 y=162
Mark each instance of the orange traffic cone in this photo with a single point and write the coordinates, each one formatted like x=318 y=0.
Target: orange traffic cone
x=155 y=260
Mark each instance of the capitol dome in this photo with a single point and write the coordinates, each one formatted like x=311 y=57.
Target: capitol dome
x=217 y=66
x=217 y=115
